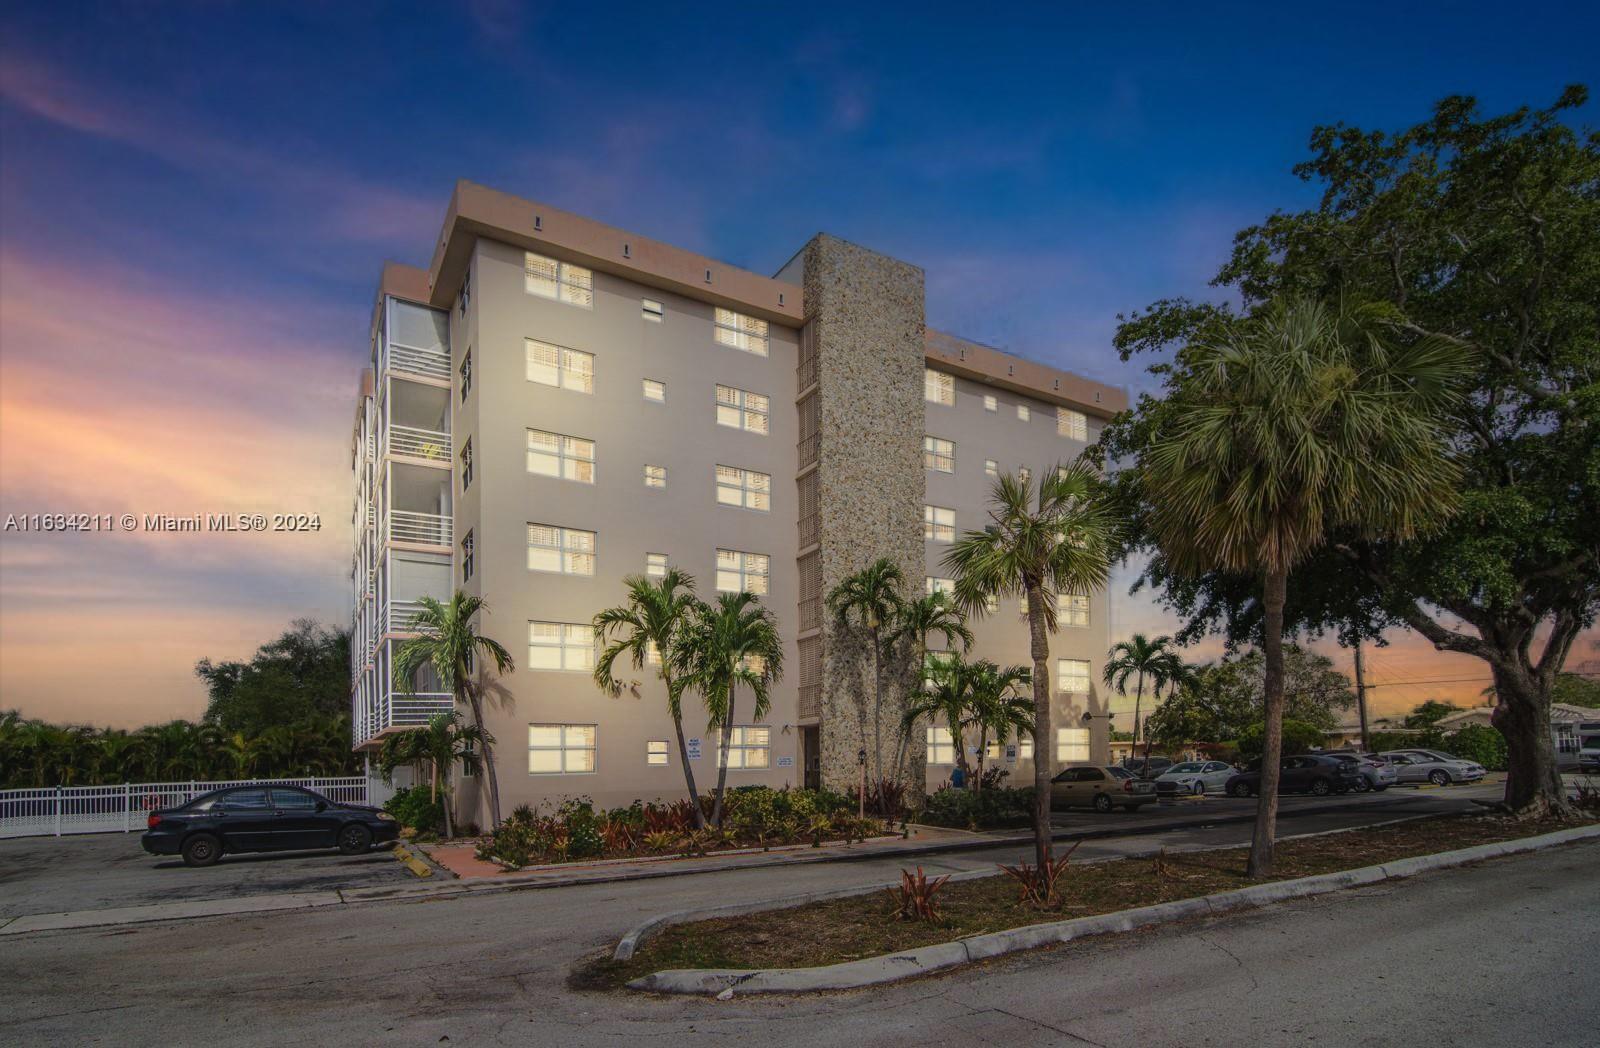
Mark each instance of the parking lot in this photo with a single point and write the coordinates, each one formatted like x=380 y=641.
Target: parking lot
x=101 y=870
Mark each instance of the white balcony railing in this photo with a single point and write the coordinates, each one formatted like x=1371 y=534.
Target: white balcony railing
x=401 y=612
x=412 y=442
x=432 y=529
x=428 y=362
x=418 y=708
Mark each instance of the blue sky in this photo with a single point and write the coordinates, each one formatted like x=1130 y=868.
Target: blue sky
x=195 y=199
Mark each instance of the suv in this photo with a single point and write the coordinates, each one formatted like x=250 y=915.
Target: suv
x=1147 y=767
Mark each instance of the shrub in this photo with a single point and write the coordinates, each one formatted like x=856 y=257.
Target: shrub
x=411 y=807
x=980 y=809
x=1481 y=743
x=1298 y=737
x=915 y=899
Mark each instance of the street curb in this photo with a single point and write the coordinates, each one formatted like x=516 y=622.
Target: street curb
x=894 y=967
x=418 y=867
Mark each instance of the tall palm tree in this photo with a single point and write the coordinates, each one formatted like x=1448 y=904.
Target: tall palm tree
x=871 y=599
x=648 y=627
x=919 y=619
x=724 y=646
x=1140 y=658
x=1299 y=421
x=1171 y=672
x=1041 y=540
x=996 y=707
x=444 y=743
x=449 y=644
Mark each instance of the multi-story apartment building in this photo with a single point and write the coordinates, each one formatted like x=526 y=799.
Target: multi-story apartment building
x=554 y=404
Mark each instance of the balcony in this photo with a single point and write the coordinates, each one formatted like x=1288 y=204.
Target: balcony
x=810 y=530
x=413 y=442
x=416 y=709
x=429 y=363
x=400 y=614
x=809 y=448
x=428 y=529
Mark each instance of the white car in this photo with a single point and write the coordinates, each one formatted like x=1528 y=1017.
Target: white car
x=1441 y=769
x=1194 y=777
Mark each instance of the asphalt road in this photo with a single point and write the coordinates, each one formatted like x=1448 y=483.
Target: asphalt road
x=1422 y=961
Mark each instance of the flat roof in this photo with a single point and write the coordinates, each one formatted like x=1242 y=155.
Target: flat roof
x=995 y=367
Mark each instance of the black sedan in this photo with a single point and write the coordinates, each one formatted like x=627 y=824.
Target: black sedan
x=264 y=818
x=1312 y=773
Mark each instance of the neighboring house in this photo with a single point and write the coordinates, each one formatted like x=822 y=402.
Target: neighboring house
x=1568 y=725
x=554 y=404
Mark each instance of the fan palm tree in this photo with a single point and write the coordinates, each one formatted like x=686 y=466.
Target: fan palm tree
x=724 y=646
x=1043 y=539
x=1140 y=658
x=916 y=624
x=647 y=628
x=995 y=706
x=442 y=744
x=1299 y=421
x=449 y=644
x=871 y=599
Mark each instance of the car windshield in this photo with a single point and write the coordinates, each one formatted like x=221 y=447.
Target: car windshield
x=1185 y=767
x=1121 y=773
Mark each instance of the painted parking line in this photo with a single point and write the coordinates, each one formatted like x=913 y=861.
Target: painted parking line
x=417 y=867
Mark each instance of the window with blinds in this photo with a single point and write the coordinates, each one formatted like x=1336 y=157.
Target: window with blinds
x=938 y=387
x=742 y=409
x=744 y=488
x=562 y=551
x=741 y=332
x=562 y=281
x=939 y=454
x=561 y=456
x=1073 y=425
x=739 y=572
x=552 y=365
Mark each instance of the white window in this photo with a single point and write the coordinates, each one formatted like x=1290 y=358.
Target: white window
x=741 y=332
x=466 y=465
x=991 y=604
x=932 y=660
x=1072 y=676
x=741 y=409
x=563 y=551
x=1072 y=744
x=1072 y=424
x=751 y=663
x=1024 y=414
x=558 y=455
x=652 y=653
x=939 y=454
x=1072 y=609
x=561 y=646
x=991 y=468
x=990 y=403
x=991 y=751
x=655 y=565
x=1025 y=748
x=941 y=748
x=560 y=749
x=938 y=524
x=467 y=546
x=558 y=366
x=1024 y=474
x=932 y=584
x=744 y=488
x=466 y=374
x=655 y=390
x=741 y=572
x=655 y=753
x=938 y=387
x=749 y=747
x=655 y=476
x=564 y=281
x=650 y=309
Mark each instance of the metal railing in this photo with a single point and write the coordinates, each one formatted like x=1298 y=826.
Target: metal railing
x=56 y=810
x=433 y=529
x=427 y=444
x=418 y=708
x=810 y=701
x=401 y=612
x=810 y=530
x=811 y=613
x=809 y=448
x=428 y=362
x=806 y=373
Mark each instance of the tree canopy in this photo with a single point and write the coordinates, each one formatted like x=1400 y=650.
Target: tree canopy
x=303 y=675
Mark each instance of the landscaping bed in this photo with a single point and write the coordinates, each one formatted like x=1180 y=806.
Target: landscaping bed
x=866 y=926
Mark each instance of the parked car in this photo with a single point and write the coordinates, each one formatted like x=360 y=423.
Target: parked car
x=1589 y=754
x=1194 y=777
x=264 y=818
x=1310 y=773
x=1138 y=765
x=1377 y=774
x=1098 y=787
x=1441 y=769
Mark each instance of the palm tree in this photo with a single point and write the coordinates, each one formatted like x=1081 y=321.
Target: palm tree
x=871 y=598
x=1041 y=541
x=946 y=696
x=1296 y=422
x=917 y=622
x=995 y=706
x=1140 y=658
x=723 y=646
x=648 y=628
x=448 y=644
x=442 y=744
x=1170 y=672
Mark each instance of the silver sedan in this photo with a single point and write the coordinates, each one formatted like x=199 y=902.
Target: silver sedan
x=1194 y=777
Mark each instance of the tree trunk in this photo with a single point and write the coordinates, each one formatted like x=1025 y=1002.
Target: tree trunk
x=983 y=748
x=1361 y=700
x=722 y=763
x=1261 y=840
x=488 y=756
x=1043 y=753
x=688 y=772
x=877 y=706
x=1138 y=700
x=1533 y=776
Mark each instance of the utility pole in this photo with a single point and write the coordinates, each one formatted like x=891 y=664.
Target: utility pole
x=1361 y=700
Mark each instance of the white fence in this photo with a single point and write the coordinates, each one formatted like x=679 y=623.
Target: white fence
x=55 y=810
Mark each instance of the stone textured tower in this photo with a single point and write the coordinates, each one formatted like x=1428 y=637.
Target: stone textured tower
x=861 y=481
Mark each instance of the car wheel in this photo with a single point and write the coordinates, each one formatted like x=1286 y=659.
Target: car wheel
x=1439 y=778
x=1198 y=789
x=355 y=839
x=1240 y=789
x=1102 y=803
x=1321 y=787
x=201 y=850
x=1362 y=785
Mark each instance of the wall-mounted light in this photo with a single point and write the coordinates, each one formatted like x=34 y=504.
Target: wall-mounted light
x=627 y=250
x=708 y=276
x=538 y=223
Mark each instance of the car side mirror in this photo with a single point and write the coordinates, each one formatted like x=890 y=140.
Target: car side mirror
x=322 y=805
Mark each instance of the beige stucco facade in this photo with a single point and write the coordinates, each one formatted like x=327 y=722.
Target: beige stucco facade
x=843 y=380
